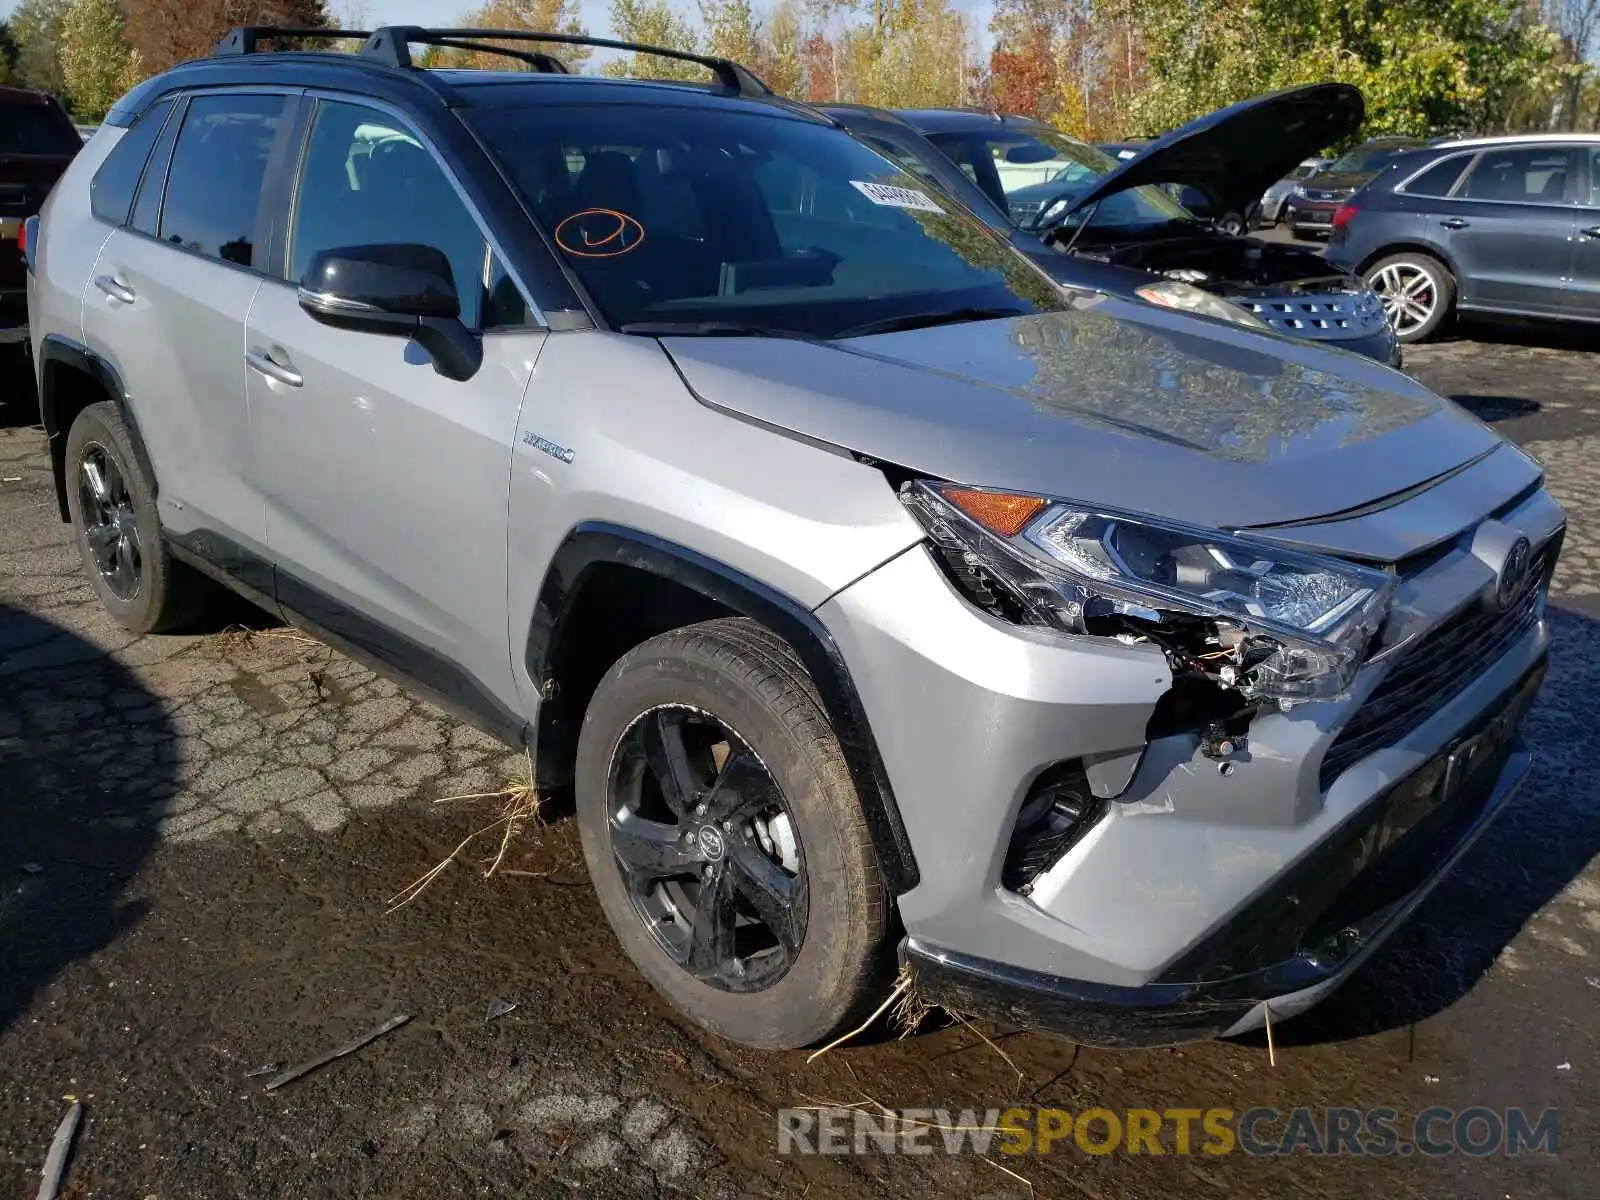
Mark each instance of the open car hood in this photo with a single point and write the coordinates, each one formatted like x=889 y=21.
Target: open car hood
x=1234 y=154
x=1119 y=404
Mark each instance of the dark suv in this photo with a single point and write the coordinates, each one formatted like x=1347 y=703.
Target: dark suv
x=1507 y=225
x=37 y=141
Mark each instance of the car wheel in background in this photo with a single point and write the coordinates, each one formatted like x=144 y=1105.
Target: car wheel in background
x=1231 y=223
x=725 y=839
x=1418 y=293
x=118 y=532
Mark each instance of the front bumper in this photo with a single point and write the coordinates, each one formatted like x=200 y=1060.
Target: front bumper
x=1372 y=891
x=1146 y=908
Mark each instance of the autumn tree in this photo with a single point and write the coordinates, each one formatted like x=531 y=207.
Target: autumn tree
x=653 y=23
x=97 y=64
x=165 y=32
x=533 y=16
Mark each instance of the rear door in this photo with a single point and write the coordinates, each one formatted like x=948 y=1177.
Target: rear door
x=387 y=484
x=1509 y=228
x=1583 y=287
x=167 y=302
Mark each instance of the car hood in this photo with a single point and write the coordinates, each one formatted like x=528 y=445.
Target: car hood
x=1236 y=153
x=1111 y=403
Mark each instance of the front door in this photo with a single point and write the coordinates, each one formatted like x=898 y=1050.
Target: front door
x=1509 y=229
x=387 y=484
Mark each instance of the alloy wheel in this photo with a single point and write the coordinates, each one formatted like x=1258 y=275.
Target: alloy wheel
x=109 y=522
x=708 y=850
x=1409 y=295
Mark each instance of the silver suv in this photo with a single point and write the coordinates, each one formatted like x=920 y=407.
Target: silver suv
x=1122 y=669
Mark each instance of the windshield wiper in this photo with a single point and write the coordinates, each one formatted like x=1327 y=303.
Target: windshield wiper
x=709 y=329
x=922 y=320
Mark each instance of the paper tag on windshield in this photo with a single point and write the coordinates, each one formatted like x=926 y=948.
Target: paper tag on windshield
x=896 y=197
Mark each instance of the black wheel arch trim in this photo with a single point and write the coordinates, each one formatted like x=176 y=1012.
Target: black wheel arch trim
x=53 y=349
x=591 y=545
x=1412 y=246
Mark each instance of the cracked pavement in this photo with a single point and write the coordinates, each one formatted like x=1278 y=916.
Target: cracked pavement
x=199 y=836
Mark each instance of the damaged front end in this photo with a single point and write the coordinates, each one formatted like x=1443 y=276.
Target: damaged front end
x=1243 y=624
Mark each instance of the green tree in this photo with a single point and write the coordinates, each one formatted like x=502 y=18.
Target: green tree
x=653 y=23
x=97 y=65
x=36 y=26
x=1425 y=66
x=8 y=52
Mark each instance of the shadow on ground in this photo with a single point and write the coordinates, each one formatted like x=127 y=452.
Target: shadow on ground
x=1543 y=840
x=87 y=759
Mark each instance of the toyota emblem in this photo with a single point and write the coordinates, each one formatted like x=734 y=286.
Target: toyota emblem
x=1514 y=574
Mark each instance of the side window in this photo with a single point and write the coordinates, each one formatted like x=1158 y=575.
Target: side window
x=1438 y=179
x=1526 y=175
x=1594 y=178
x=902 y=157
x=147 y=208
x=219 y=166
x=111 y=192
x=367 y=180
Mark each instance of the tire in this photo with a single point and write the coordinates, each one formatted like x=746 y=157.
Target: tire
x=1232 y=224
x=134 y=575
x=797 y=827
x=1436 y=300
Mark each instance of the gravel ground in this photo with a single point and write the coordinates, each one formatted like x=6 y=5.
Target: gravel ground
x=198 y=836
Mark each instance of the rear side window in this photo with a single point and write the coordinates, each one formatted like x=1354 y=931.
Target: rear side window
x=1438 y=179
x=34 y=128
x=147 y=207
x=219 y=166
x=111 y=192
x=1527 y=175
x=1594 y=178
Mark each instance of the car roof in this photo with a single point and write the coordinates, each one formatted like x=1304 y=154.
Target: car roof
x=962 y=120
x=1508 y=139
x=16 y=95
x=449 y=87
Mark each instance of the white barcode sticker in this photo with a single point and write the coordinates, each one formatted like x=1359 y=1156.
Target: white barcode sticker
x=896 y=197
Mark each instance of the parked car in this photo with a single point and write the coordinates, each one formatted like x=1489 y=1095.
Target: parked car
x=1193 y=199
x=1310 y=206
x=37 y=142
x=1271 y=206
x=1113 y=228
x=1507 y=225
x=1143 y=670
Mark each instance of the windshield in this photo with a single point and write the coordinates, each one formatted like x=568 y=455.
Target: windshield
x=36 y=129
x=1365 y=158
x=1034 y=173
x=673 y=217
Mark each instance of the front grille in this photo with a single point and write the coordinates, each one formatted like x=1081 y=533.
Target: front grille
x=1329 y=315
x=1022 y=210
x=1431 y=673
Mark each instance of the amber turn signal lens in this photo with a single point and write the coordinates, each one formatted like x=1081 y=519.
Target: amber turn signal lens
x=998 y=512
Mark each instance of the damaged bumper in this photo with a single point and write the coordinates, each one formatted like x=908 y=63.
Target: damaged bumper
x=1368 y=891
x=1191 y=883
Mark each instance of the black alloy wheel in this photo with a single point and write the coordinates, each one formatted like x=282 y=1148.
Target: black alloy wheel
x=708 y=850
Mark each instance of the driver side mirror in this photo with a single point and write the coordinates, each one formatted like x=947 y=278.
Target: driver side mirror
x=399 y=289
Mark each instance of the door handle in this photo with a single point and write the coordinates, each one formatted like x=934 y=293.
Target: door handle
x=1592 y=232
x=1455 y=223
x=264 y=364
x=115 y=289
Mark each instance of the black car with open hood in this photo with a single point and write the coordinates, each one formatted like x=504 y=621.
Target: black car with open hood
x=1092 y=221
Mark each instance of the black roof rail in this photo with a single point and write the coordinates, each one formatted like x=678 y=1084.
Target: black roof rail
x=545 y=64
x=245 y=39
x=392 y=44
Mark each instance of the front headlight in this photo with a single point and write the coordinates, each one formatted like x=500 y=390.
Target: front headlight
x=1268 y=621
x=1299 y=189
x=1185 y=297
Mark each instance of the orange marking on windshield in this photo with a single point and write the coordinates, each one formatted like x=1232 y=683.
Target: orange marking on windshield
x=622 y=233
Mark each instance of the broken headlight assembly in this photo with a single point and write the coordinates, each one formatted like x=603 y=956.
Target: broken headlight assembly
x=1269 y=622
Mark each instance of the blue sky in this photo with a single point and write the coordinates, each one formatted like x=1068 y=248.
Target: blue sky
x=596 y=13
